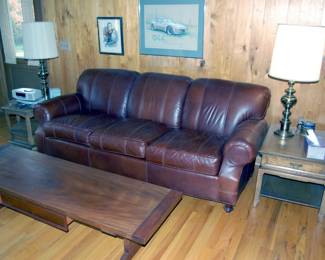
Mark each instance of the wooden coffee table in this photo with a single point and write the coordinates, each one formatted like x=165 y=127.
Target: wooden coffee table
x=58 y=192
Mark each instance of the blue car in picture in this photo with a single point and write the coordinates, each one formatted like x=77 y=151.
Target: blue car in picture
x=168 y=26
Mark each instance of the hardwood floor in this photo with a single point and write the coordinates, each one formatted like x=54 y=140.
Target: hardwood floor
x=197 y=229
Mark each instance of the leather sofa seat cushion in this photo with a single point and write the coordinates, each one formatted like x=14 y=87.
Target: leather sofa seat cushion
x=77 y=127
x=128 y=136
x=189 y=150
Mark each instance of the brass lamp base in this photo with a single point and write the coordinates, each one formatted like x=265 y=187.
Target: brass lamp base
x=283 y=134
x=43 y=74
x=288 y=101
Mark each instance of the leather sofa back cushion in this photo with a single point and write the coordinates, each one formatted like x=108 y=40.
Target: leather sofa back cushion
x=159 y=97
x=106 y=90
x=218 y=106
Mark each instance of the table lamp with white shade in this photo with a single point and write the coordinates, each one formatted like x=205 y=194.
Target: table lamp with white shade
x=297 y=57
x=40 y=44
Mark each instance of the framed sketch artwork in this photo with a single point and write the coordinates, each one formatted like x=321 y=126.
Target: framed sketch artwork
x=172 y=27
x=110 y=35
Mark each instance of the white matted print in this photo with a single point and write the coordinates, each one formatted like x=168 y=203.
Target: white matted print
x=172 y=27
x=110 y=35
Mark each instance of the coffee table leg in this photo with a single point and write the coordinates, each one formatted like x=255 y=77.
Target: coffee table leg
x=130 y=249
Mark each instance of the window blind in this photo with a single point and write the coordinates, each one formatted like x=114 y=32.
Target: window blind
x=7 y=30
x=7 y=33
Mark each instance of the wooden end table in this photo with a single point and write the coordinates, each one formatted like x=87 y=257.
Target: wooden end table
x=22 y=131
x=287 y=159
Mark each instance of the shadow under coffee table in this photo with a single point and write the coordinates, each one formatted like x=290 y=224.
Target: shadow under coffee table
x=58 y=192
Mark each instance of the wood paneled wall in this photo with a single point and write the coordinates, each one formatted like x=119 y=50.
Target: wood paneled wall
x=238 y=43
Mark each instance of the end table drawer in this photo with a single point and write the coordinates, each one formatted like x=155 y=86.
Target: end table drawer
x=307 y=166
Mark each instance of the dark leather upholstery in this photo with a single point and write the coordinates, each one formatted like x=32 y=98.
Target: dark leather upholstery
x=65 y=150
x=243 y=145
x=189 y=150
x=218 y=106
x=125 y=165
x=193 y=184
x=128 y=166
x=159 y=97
x=106 y=90
x=200 y=137
x=240 y=150
x=129 y=136
x=60 y=106
x=77 y=128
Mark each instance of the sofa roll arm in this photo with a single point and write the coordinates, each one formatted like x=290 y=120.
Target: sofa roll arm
x=63 y=105
x=242 y=147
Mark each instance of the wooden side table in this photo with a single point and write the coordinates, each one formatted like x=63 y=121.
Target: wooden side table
x=22 y=131
x=287 y=159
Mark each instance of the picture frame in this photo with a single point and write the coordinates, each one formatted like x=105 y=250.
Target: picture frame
x=110 y=35
x=172 y=28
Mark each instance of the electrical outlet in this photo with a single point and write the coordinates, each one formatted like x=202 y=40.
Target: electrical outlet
x=64 y=45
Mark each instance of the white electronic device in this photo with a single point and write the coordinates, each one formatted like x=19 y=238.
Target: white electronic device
x=27 y=94
x=55 y=92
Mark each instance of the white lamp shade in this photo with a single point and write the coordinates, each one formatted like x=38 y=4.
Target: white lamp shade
x=39 y=41
x=298 y=53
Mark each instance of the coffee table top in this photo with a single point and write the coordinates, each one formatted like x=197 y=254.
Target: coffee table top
x=116 y=205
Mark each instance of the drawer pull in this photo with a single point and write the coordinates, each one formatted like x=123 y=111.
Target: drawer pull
x=296 y=165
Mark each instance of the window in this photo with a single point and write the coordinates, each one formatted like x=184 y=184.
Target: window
x=16 y=19
x=12 y=15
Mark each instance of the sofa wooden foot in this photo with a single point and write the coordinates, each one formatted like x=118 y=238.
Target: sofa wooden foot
x=228 y=208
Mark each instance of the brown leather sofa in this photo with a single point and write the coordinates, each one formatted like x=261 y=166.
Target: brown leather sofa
x=200 y=137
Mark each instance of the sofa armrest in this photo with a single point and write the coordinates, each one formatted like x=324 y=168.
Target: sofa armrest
x=63 y=105
x=242 y=147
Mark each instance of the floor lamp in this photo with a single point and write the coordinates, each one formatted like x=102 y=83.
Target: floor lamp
x=297 y=57
x=40 y=44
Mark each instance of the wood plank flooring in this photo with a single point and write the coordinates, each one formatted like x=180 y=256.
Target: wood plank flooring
x=197 y=229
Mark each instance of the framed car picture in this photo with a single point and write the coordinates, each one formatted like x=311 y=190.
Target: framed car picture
x=172 y=27
x=110 y=35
